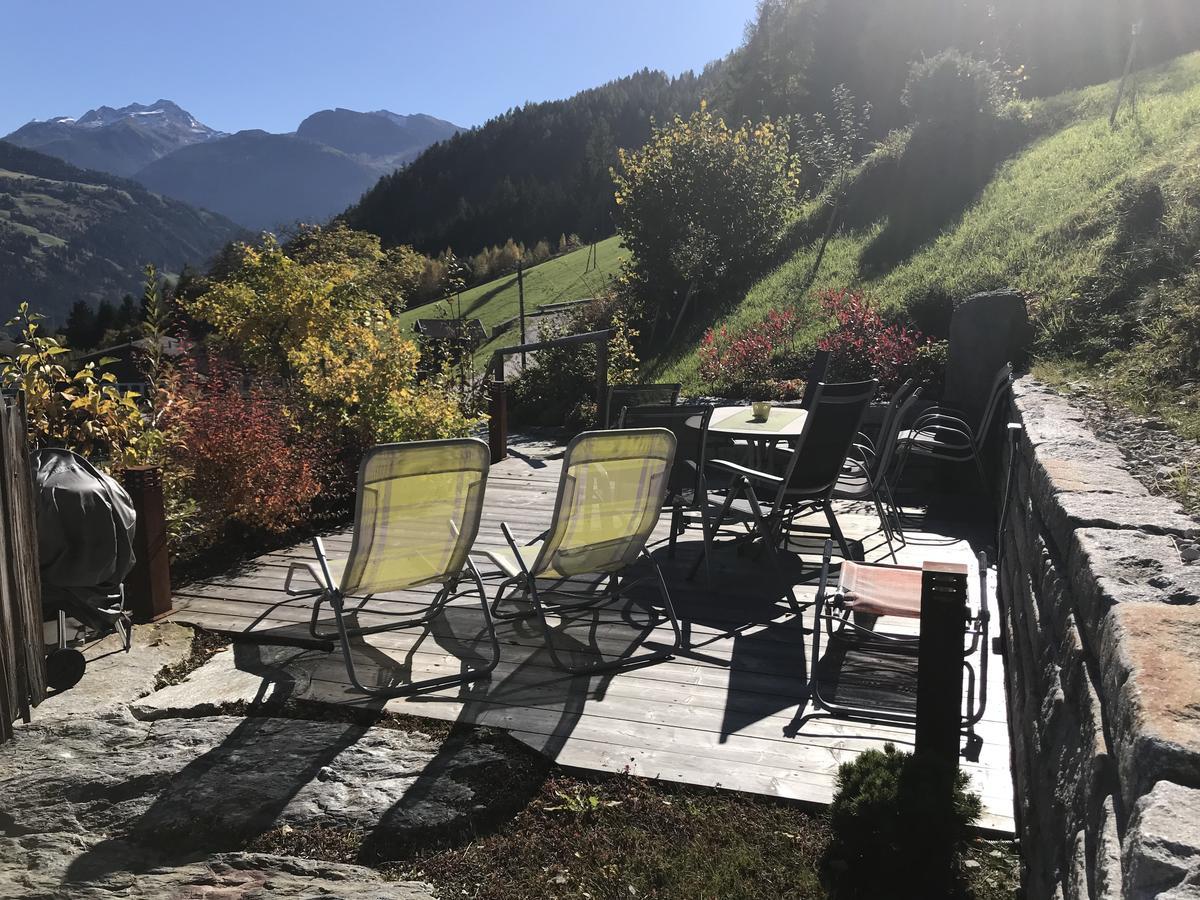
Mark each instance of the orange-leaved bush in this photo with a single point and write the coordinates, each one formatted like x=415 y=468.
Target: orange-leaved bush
x=748 y=359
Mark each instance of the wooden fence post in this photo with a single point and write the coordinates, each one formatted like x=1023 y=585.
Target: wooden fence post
x=148 y=585
x=498 y=417
x=22 y=650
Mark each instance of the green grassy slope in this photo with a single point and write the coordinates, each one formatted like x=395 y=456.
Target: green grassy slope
x=555 y=281
x=1042 y=224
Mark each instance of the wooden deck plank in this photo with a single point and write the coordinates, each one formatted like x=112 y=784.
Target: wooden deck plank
x=727 y=712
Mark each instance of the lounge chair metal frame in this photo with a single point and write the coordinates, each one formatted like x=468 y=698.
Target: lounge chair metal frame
x=330 y=587
x=838 y=618
x=524 y=575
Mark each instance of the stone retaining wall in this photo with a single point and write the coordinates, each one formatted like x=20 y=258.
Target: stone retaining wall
x=1101 y=623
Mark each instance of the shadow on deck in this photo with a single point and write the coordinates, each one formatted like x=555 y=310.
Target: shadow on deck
x=729 y=710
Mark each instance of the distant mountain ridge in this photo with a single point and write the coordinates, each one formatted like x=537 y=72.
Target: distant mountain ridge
x=258 y=179
x=67 y=234
x=380 y=138
x=119 y=141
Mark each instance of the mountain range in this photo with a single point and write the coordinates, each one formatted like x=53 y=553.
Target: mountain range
x=257 y=179
x=70 y=234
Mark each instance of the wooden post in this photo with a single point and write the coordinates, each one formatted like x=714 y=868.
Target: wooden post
x=148 y=585
x=498 y=415
x=1133 y=36
x=940 y=663
x=602 y=382
x=22 y=654
x=521 y=306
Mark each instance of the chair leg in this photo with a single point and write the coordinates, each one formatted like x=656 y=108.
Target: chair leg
x=836 y=530
x=630 y=659
x=676 y=529
x=766 y=527
x=887 y=529
x=730 y=496
x=336 y=601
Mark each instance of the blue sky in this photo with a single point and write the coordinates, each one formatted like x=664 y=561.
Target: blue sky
x=268 y=64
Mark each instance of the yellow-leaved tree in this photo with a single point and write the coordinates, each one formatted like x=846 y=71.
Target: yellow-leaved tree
x=319 y=314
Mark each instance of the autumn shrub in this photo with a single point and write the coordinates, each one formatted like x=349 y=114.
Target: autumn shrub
x=747 y=361
x=322 y=323
x=247 y=460
x=864 y=345
x=79 y=409
x=702 y=203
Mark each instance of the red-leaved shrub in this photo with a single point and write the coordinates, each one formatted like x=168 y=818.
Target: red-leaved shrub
x=247 y=459
x=747 y=359
x=865 y=346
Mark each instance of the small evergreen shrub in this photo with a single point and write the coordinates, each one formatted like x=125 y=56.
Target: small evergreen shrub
x=886 y=821
x=751 y=362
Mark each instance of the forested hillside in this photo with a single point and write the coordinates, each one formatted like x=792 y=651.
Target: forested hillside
x=530 y=174
x=69 y=234
x=542 y=169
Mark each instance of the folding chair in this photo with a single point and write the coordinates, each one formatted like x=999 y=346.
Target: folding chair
x=610 y=498
x=687 y=488
x=864 y=476
x=942 y=433
x=811 y=476
x=416 y=516
x=623 y=395
x=873 y=590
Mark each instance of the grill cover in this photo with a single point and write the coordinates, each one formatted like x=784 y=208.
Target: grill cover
x=86 y=523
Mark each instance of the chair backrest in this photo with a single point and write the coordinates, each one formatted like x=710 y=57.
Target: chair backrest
x=416 y=514
x=889 y=416
x=888 y=438
x=610 y=497
x=689 y=423
x=816 y=375
x=623 y=395
x=999 y=386
x=829 y=431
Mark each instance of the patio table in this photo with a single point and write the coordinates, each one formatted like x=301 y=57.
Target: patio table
x=785 y=423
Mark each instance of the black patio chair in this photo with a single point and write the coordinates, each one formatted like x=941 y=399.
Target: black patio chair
x=623 y=395
x=811 y=475
x=942 y=432
x=864 y=476
x=815 y=376
x=687 y=486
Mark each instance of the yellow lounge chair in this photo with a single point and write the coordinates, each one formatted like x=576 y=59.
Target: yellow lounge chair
x=416 y=516
x=610 y=497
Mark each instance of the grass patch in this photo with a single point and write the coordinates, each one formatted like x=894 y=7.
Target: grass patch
x=1042 y=224
x=557 y=280
x=609 y=837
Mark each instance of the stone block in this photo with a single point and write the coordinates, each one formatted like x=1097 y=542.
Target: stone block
x=1151 y=673
x=114 y=678
x=1162 y=844
x=1107 y=567
x=1107 y=878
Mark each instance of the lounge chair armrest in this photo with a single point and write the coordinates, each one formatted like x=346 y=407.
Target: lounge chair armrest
x=745 y=472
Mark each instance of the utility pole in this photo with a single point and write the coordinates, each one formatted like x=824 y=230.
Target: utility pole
x=521 y=306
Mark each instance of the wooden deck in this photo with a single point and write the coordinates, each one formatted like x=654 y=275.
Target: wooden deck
x=729 y=711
